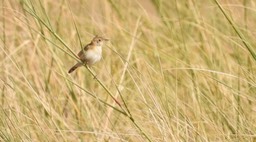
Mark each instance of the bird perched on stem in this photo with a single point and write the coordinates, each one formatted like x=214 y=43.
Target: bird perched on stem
x=91 y=53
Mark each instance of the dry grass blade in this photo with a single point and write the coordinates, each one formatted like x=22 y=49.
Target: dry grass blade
x=173 y=71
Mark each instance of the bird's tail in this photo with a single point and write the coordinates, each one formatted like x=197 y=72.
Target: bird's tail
x=75 y=67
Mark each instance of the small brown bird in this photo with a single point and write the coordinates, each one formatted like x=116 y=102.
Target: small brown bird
x=90 y=54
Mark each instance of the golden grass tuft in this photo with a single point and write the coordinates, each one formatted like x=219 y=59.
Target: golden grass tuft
x=172 y=71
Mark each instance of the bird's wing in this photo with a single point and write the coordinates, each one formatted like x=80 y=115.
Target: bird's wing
x=81 y=53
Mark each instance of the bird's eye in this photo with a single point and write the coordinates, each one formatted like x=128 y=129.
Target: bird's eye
x=99 y=39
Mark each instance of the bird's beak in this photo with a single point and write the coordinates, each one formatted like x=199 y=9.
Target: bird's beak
x=106 y=39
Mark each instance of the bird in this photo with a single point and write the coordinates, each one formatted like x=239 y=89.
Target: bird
x=91 y=53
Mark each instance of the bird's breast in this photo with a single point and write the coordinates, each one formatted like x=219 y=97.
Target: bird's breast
x=93 y=55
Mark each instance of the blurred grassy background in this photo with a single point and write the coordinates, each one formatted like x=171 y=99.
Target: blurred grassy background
x=178 y=68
